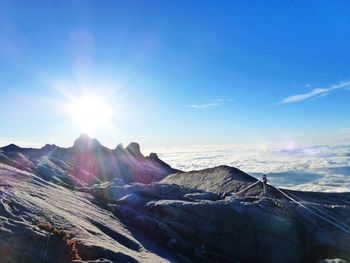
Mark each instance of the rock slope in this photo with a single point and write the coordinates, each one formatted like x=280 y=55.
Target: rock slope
x=86 y=162
x=119 y=206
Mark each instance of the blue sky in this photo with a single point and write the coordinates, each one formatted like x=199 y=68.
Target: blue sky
x=176 y=72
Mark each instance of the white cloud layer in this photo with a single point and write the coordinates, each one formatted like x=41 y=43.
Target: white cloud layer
x=315 y=93
x=316 y=168
x=345 y=130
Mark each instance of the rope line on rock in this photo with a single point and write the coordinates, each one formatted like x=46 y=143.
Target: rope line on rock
x=310 y=210
x=250 y=186
x=321 y=211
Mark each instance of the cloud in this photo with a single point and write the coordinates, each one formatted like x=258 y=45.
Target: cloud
x=214 y=103
x=328 y=183
x=315 y=93
x=204 y=106
x=345 y=130
x=308 y=85
x=318 y=168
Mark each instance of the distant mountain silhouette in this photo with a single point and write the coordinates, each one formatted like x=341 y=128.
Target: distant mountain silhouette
x=88 y=162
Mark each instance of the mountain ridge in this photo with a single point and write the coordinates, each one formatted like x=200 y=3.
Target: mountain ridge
x=90 y=160
x=117 y=205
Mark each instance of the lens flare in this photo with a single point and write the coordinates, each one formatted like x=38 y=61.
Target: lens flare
x=91 y=113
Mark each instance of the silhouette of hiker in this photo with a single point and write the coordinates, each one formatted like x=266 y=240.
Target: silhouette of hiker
x=264 y=180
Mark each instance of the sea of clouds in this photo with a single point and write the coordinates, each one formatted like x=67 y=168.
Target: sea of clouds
x=315 y=168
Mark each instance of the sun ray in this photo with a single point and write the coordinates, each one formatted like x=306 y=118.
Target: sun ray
x=91 y=112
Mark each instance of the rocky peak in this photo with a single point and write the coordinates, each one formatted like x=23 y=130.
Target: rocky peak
x=82 y=139
x=119 y=149
x=226 y=178
x=84 y=142
x=134 y=149
x=49 y=147
x=153 y=156
x=11 y=148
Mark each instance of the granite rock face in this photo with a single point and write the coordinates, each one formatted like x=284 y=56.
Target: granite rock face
x=119 y=206
x=87 y=162
x=202 y=226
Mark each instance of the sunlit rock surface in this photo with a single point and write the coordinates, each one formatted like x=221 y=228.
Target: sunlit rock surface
x=86 y=162
x=119 y=206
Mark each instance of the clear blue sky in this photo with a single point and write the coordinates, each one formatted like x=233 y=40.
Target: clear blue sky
x=176 y=72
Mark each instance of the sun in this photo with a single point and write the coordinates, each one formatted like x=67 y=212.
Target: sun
x=91 y=113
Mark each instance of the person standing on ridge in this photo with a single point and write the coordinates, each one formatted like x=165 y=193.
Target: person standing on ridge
x=264 y=180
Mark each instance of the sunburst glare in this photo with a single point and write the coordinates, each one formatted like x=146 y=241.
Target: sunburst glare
x=91 y=112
